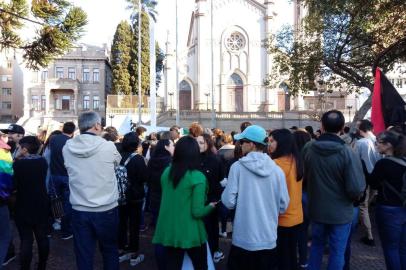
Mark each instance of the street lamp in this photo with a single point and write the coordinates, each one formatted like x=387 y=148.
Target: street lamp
x=111 y=116
x=171 y=97
x=207 y=100
x=349 y=107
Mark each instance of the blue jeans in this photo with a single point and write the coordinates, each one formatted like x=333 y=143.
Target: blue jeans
x=354 y=226
x=92 y=227
x=302 y=234
x=391 y=223
x=337 y=236
x=5 y=232
x=60 y=186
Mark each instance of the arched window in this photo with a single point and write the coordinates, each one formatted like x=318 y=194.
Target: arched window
x=235 y=80
x=184 y=86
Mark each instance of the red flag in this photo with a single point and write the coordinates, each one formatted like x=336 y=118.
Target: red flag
x=388 y=106
x=377 y=112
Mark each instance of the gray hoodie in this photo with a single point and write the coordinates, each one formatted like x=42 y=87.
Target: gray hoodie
x=90 y=161
x=257 y=189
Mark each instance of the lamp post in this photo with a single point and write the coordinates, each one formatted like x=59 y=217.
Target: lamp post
x=349 y=107
x=139 y=61
x=207 y=94
x=171 y=97
x=111 y=116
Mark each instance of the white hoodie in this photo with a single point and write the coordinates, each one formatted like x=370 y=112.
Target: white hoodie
x=90 y=161
x=257 y=189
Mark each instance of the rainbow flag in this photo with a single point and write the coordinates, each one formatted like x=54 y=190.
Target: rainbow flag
x=6 y=174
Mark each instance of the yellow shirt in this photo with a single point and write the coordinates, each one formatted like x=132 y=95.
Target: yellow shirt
x=294 y=214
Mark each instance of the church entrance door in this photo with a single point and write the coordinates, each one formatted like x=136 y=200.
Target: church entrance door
x=239 y=99
x=185 y=96
x=236 y=89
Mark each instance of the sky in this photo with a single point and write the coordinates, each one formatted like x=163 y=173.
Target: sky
x=104 y=15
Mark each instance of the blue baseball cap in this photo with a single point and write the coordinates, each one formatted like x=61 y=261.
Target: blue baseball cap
x=252 y=133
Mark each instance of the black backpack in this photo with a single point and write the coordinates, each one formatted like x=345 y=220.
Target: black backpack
x=122 y=180
x=402 y=193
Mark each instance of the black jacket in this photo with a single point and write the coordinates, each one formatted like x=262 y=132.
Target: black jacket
x=156 y=166
x=391 y=172
x=212 y=168
x=137 y=176
x=32 y=202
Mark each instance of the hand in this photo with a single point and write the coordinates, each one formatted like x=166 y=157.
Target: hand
x=213 y=204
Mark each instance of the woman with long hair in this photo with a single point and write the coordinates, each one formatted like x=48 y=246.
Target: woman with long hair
x=388 y=178
x=160 y=159
x=130 y=211
x=283 y=151
x=180 y=226
x=211 y=167
x=301 y=138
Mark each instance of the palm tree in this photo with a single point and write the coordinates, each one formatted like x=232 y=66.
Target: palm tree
x=147 y=6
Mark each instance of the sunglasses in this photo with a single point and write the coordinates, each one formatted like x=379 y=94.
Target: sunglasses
x=242 y=141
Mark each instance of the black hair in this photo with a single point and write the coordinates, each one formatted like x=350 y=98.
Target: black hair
x=397 y=140
x=31 y=143
x=309 y=129
x=139 y=130
x=55 y=132
x=130 y=142
x=301 y=138
x=210 y=143
x=186 y=158
x=68 y=128
x=346 y=129
x=365 y=125
x=333 y=121
x=160 y=150
x=244 y=125
x=286 y=146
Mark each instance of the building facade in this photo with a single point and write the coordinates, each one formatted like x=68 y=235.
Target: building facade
x=11 y=105
x=76 y=82
x=225 y=60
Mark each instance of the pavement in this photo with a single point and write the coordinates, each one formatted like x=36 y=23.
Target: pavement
x=62 y=256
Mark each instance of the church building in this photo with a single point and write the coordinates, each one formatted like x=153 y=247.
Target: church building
x=225 y=55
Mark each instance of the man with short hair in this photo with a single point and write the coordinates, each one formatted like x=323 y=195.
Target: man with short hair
x=365 y=148
x=59 y=181
x=90 y=161
x=333 y=173
x=15 y=134
x=257 y=190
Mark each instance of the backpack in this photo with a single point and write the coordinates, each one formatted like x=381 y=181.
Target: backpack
x=402 y=193
x=122 y=180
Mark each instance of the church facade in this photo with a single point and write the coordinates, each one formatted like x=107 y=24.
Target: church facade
x=224 y=55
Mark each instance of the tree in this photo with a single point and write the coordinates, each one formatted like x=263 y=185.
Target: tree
x=61 y=24
x=133 y=67
x=340 y=45
x=160 y=57
x=120 y=58
x=148 y=11
x=148 y=6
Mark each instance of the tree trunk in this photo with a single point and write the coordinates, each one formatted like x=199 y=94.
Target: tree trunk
x=360 y=114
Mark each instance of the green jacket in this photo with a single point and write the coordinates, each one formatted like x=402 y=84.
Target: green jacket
x=334 y=177
x=182 y=208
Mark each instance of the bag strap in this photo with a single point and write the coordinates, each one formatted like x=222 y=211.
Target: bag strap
x=129 y=158
x=393 y=189
x=402 y=162
x=399 y=161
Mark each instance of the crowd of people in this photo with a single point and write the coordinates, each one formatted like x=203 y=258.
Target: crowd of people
x=273 y=191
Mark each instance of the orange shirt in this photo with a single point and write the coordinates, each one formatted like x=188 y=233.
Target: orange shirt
x=294 y=214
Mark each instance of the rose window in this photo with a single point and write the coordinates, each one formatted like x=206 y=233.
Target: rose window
x=235 y=42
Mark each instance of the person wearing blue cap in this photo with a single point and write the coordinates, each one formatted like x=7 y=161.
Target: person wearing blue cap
x=257 y=190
